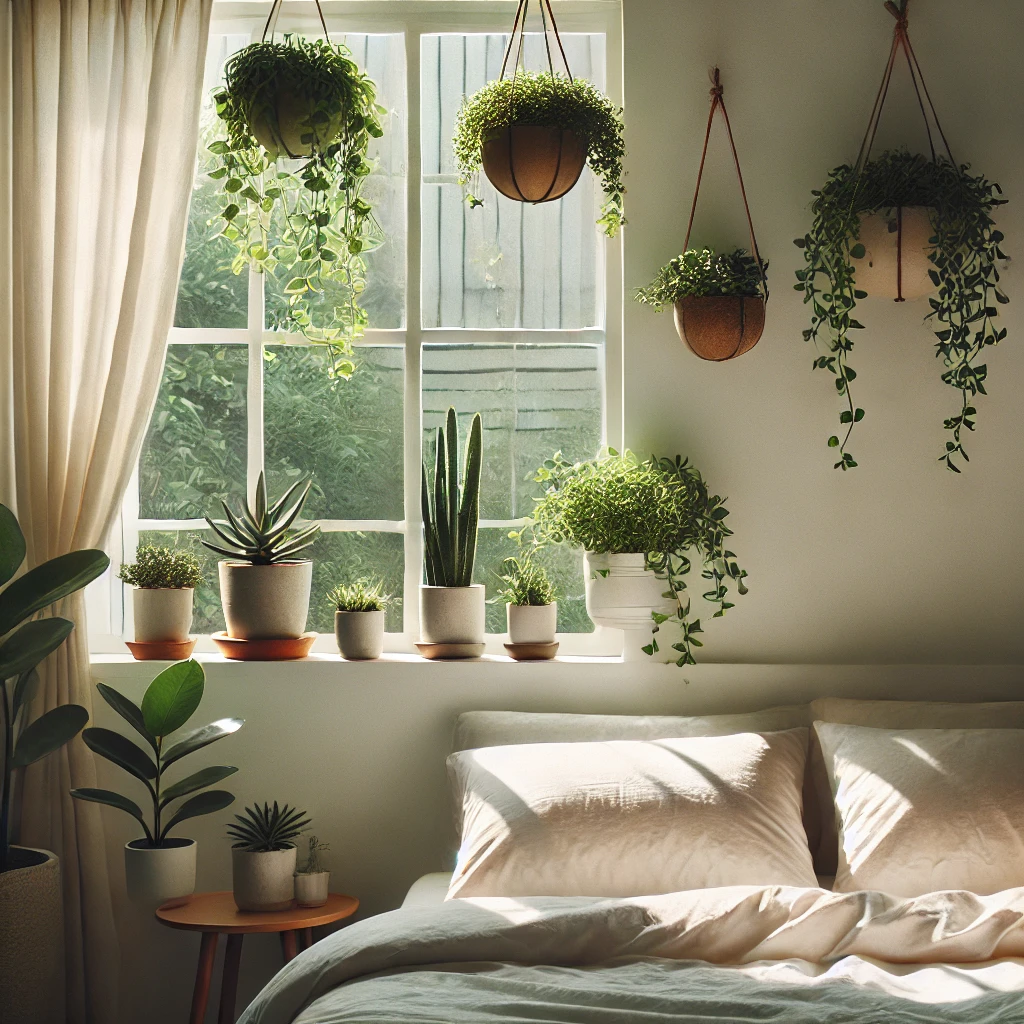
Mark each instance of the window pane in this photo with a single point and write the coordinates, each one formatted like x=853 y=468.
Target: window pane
x=195 y=449
x=534 y=400
x=209 y=294
x=345 y=434
x=207 y=616
x=505 y=264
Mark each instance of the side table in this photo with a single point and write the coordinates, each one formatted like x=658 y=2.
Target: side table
x=215 y=913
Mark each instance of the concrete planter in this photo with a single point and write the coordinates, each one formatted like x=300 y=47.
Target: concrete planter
x=31 y=939
x=263 y=881
x=532 y=623
x=162 y=615
x=265 y=602
x=360 y=635
x=311 y=890
x=452 y=615
x=895 y=238
x=155 y=875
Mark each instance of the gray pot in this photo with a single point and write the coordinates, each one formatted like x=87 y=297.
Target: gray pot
x=311 y=890
x=360 y=635
x=159 y=874
x=31 y=939
x=265 y=602
x=263 y=881
x=162 y=615
x=452 y=615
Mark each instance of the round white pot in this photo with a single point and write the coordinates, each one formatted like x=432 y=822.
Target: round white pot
x=31 y=939
x=886 y=248
x=311 y=890
x=263 y=881
x=155 y=875
x=162 y=614
x=265 y=602
x=532 y=623
x=452 y=615
x=360 y=635
x=621 y=593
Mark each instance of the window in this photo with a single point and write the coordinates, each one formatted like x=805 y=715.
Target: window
x=502 y=310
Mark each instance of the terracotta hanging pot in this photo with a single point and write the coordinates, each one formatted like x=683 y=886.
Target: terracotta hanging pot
x=719 y=327
x=897 y=253
x=533 y=163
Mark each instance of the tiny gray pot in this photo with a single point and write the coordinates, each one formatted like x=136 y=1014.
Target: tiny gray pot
x=360 y=635
x=311 y=890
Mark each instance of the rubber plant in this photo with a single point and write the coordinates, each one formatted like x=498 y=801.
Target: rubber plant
x=299 y=117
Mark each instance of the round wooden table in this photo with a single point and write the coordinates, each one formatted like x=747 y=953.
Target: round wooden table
x=215 y=913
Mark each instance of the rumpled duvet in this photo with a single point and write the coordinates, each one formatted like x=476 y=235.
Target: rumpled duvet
x=737 y=954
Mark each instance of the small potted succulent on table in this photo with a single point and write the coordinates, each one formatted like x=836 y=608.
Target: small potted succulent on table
x=312 y=883
x=359 y=618
x=531 y=609
x=159 y=868
x=164 y=583
x=263 y=856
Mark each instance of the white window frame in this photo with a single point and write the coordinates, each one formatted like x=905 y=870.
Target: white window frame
x=110 y=608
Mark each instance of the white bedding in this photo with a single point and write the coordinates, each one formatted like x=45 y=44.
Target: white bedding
x=736 y=954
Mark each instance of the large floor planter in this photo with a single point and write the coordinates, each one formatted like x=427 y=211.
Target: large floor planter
x=31 y=939
x=895 y=241
x=263 y=881
x=162 y=615
x=360 y=635
x=265 y=602
x=533 y=163
x=452 y=615
x=719 y=327
x=532 y=623
x=155 y=875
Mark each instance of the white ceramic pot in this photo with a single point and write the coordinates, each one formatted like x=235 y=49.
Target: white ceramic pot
x=452 y=615
x=886 y=248
x=162 y=615
x=31 y=939
x=360 y=635
x=265 y=602
x=311 y=890
x=263 y=881
x=532 y=623
x=161 y=874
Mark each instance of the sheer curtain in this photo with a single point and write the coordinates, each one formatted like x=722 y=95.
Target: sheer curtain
x=103 y=110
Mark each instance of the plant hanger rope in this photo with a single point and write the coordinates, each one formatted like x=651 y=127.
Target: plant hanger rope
x=275 y=10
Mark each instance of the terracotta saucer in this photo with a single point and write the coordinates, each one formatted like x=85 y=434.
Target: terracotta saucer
x=161 y=650
x=450 y=652
x=531 y=652
x=285 y=649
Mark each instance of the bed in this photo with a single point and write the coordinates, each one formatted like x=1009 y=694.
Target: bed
x=787 y=953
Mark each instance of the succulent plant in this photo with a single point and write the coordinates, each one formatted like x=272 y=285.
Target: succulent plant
x=364 y=595
x=526 y=583
x=264 y=829
x=262 y=535
x=162 y=568
x=314 y=865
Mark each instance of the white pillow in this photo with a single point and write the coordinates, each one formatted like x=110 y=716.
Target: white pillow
x=631 y=817
x=924 y=810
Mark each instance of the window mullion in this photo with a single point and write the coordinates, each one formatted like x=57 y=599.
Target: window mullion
x=254 y=390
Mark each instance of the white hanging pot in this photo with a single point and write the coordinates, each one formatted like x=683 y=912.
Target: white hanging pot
x=360 y=635
x=265 y=602
x=160 y=874
x=897 y=250
x=162 y=615
x=532 y=623
x=263 y=881
x=452 y=615
x=621 y=592
x=311 y=890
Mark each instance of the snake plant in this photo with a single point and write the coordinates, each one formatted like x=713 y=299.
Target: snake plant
x=451 y=513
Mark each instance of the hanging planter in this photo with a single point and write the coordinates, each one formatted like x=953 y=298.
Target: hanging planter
x=306 y=100
x=533 y=133
x=904 y=226
x=719 y=299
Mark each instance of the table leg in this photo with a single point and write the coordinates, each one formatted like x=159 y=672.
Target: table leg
x=229 y=981
x=204 y=972
x=307 y=938
x=289 y=946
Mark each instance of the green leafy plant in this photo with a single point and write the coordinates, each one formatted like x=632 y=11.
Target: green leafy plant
x=261 y=535
x=702 y=272
x=451 y=508
x=264 y=829
x=549 y=100
x=364 y=595
x=313 y=224
x=526 y=583
x=964 y=272
x=27 y=640
x=162 y=568
x=315 y=850
x=169 y=702
x=620 y=504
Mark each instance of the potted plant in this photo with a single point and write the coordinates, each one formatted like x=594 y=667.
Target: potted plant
x=903 y=226
x=301 y=99
x=451 y=605
x=264 y=588
x=530 y=602
x=642 y=524
x=263 y=856
x=312 y=883
x=359 y=618
x=31 y=904
x=158 y=867
x=164 y=582
x=718 y=299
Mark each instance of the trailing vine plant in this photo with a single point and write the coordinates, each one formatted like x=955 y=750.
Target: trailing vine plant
x=704 y=272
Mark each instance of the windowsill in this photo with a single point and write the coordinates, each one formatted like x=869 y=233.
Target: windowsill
x=319 y=658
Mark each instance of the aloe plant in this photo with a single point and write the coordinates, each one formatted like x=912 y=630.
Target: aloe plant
x=25 y=645
x=265 y=829
x=261 y=535
x=451 y=509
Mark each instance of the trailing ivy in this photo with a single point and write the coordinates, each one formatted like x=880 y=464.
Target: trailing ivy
x=702 y=272
x=964 y=272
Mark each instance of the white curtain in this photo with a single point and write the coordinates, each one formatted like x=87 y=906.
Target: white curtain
x=104 y=112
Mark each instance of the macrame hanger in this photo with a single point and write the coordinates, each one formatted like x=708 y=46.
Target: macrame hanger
x=519 y=28
x=275 y=10
x=718 y=102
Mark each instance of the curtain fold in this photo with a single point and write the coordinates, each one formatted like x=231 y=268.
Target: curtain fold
x=104 y=116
